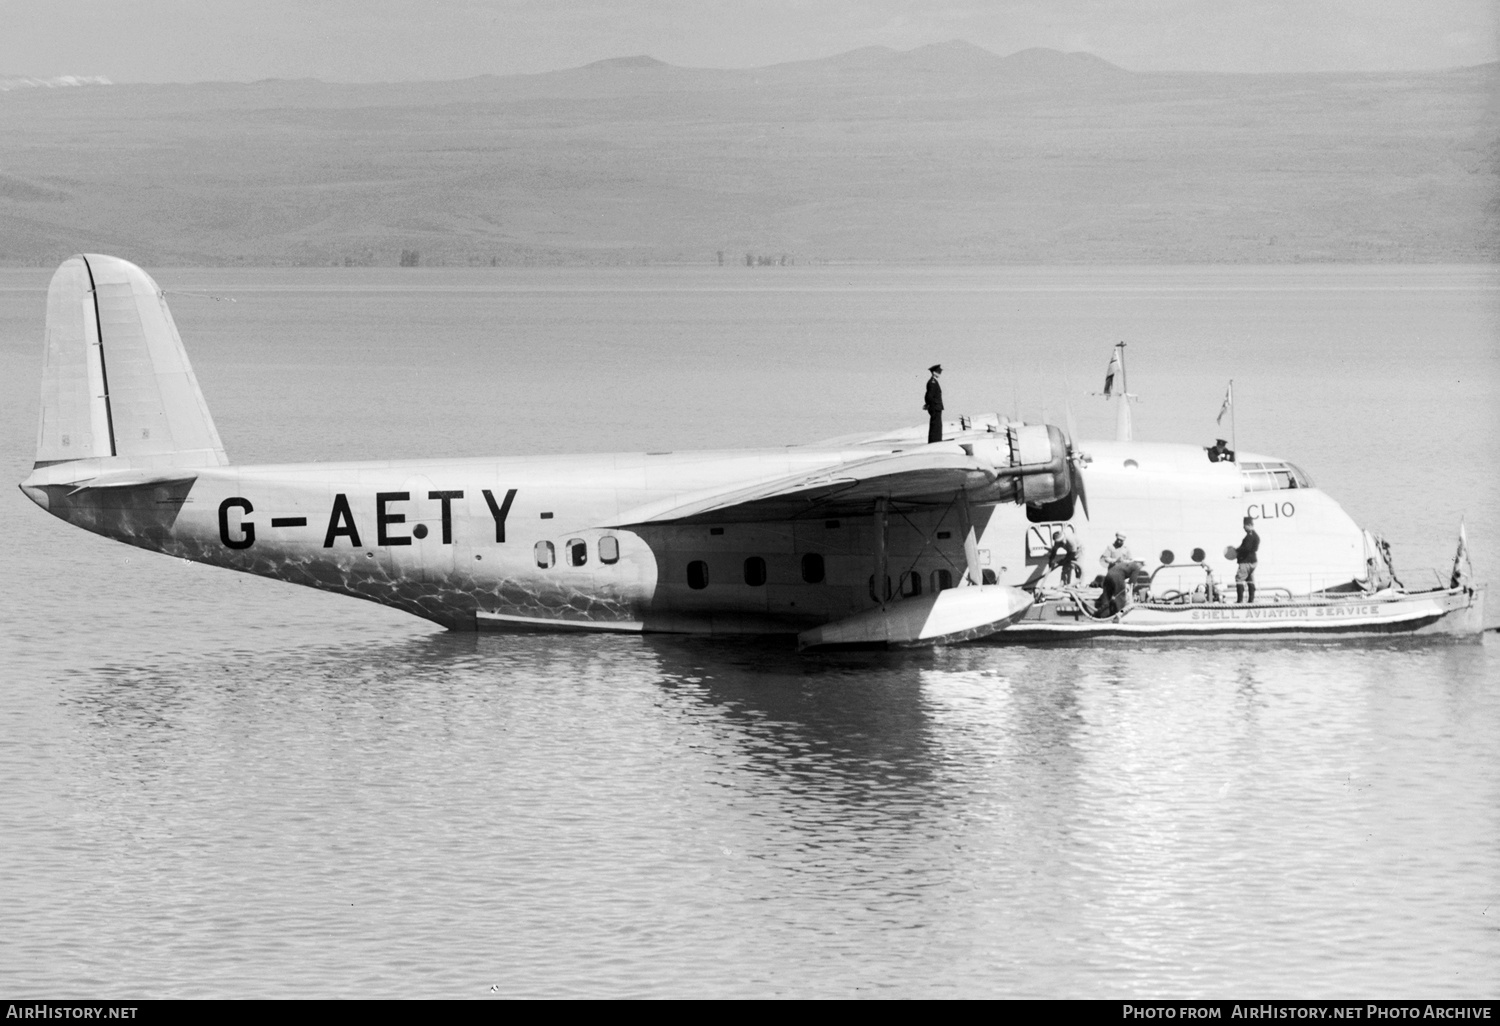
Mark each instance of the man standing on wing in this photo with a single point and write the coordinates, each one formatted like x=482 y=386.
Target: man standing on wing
x=933 y=404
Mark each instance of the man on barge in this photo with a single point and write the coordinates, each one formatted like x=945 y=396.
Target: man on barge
x=1245 y=555
x=1064 y=553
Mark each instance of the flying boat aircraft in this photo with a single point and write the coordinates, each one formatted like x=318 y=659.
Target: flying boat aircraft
x=882 y=539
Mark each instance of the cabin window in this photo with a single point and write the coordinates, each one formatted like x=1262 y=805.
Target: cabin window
x=1270 y=477
x=697 y=575
x=988 y=577
x=876 y=597
x=812 y=568
x=755 y=571
x=942 y=579
x=911 y=584
x=609 y=549
x=546 y=555
x=1257 y=480
x=1168 y=557
x=578 y=552
x=1198 y=555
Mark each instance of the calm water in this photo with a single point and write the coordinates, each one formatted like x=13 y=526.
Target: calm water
x=217 y=785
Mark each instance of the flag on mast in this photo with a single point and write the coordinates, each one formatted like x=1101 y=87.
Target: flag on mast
x=1228 y=402
x=1112 y=373
x=1463 y=567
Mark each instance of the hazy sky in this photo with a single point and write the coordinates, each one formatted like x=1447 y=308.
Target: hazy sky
x=392 y=40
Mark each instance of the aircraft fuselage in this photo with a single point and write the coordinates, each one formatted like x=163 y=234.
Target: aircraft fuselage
x=548 y=542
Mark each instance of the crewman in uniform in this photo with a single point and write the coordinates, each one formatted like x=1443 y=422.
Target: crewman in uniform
x=1064 y=553
x=933 y=404
x=1114 y=591
x=1220 y=452
x=1114 y=553
x=1245 y=556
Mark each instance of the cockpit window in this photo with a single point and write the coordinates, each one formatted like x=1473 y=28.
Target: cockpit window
x=1270 y=477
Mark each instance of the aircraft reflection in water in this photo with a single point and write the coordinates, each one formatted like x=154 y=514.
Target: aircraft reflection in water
x=878 y=539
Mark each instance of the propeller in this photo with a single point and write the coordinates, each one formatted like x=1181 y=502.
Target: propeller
x=1075 y=467
x=1075 y=481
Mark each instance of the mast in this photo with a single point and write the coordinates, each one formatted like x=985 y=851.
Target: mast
x=1234 y=441
x=1124 y=429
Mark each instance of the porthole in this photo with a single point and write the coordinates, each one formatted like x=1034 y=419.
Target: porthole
x=812 y=568
x=578 y=552
x=1198 y=555
x=1132 y=465
x=609 y=549
x=697 y=575
x=1168 y=557
x=942 y=580
x=546 y=555
x=988 y=576
x=911 y=584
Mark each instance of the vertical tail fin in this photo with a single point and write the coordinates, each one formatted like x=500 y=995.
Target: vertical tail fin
x=116 y=382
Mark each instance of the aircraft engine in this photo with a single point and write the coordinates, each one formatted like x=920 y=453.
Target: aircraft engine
x=1031 y=466
x=1039 y=454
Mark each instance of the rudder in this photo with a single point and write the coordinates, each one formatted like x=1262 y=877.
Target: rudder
x=116 y=381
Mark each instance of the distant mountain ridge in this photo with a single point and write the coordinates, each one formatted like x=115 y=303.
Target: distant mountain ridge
x=956 y=58
x=945 y=153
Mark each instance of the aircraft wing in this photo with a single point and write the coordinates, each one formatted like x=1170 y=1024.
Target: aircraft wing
x=922 y=477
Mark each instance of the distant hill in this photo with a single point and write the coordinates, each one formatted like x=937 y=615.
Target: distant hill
x=945 y=153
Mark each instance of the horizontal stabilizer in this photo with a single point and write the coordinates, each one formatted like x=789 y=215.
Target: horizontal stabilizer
x=76 y=476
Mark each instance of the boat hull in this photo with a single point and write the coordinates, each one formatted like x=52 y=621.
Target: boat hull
x=1451 y=611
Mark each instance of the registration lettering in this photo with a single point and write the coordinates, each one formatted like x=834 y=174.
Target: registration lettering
x=237 y=531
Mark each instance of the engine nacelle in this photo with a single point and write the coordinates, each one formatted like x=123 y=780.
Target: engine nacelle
x=1030 y=461
x=1042 y=454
